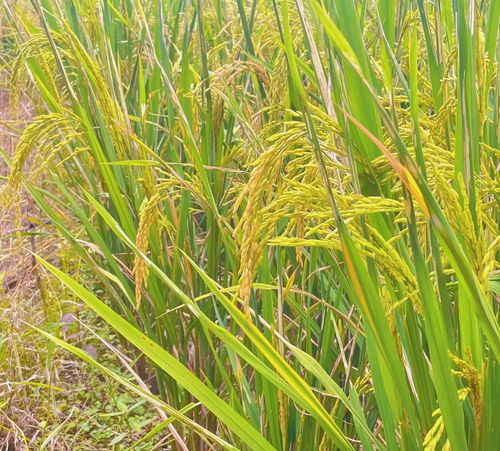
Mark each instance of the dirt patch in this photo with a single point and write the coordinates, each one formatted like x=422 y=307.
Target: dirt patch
x=43 y=388
x=15 y=262
x=20 y=293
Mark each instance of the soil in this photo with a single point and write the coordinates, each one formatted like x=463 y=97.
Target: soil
x=19 y=291
x=16 y=263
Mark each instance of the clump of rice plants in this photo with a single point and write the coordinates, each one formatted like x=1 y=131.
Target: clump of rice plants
x=291 y=208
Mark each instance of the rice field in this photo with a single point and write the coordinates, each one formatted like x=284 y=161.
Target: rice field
x=278 y=217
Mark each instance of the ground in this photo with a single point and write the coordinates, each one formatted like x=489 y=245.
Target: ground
x=48 y=398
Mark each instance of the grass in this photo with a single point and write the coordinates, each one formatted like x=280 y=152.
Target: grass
x=290 y=210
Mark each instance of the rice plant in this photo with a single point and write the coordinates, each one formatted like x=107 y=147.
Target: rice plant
x=290 y=208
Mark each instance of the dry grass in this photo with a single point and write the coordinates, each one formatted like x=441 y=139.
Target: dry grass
x=42 y=388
